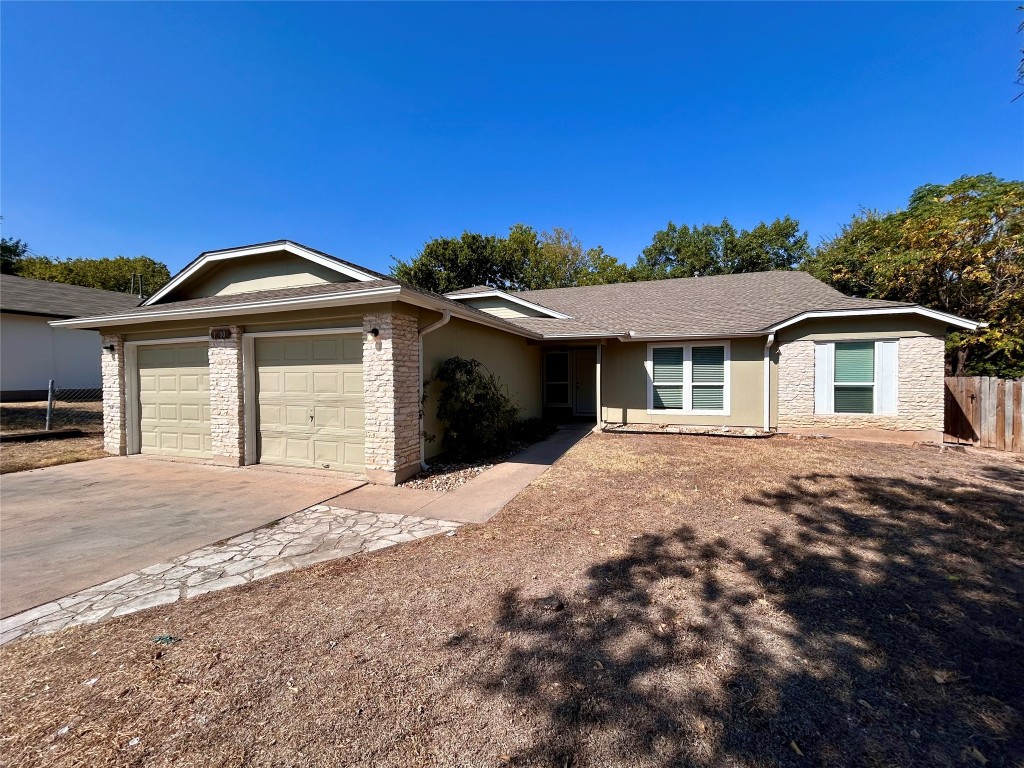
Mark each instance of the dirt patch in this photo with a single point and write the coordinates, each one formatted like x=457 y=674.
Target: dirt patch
x=84 y=414
x=717 y=602
x=19 y=456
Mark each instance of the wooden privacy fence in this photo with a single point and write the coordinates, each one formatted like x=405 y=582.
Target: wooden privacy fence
x=986 y=412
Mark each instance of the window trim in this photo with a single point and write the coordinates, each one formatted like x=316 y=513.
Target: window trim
x=687 y=409
x=875 y=383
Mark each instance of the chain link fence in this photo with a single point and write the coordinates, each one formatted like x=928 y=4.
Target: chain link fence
x=80 y=409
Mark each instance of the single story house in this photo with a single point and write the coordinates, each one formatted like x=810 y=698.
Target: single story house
x=277 y=353
x=32 y=352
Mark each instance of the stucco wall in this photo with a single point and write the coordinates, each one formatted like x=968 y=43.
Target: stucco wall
x=509 y=357
x=32 y=352
x=624 y=386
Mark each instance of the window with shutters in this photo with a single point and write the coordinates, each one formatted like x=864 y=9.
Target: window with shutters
x=856 y=377
x=688 y=378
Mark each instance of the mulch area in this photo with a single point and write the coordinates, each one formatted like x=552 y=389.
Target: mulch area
x=652 y=600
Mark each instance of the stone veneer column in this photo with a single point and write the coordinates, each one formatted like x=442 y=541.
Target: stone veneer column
x=227 y=421
x=115 y=436
x=920 y=403
x=391 y=391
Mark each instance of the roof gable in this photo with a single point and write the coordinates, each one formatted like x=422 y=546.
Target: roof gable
x=210 y=274
x=503 y=304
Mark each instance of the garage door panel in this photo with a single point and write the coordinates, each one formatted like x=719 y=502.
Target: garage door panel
x=353 y=418
x=174 y=400
x=313 y=376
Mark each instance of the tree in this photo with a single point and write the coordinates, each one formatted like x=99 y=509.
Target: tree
x=12 y=253
x=121 y=273
x=449 y=263
x=957 y=248
x=523 y=260
x=720 y=249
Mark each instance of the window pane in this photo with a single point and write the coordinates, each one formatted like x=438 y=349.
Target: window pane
x=854 y=399
x=668 y=397
x=556 y=367
x=668 y=365
x=709 y=398
x=708 y=364
x=855 y=362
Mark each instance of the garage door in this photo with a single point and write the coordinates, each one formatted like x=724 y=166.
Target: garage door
x=174 y=400
x=310 y=395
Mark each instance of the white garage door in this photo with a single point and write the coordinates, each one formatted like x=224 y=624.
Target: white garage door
x=310 y=395
x=174 y=400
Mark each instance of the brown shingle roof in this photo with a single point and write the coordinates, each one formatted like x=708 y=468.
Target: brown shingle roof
x=41 y=297
x=698 y=306
x=322 y=289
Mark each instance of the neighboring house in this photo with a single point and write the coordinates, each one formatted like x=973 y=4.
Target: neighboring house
x=32 y=352
x=280 y=354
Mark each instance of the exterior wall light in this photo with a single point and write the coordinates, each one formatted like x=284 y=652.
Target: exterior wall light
x=372 y=335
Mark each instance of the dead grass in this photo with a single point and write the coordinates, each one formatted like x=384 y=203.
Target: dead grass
x=18 y=456
x=86 y=415
x=717 y=602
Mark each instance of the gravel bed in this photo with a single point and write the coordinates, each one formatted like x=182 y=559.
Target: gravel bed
x=444 y=476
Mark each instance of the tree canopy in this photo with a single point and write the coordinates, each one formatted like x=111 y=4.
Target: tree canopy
x=721 y=249
x=957 y=248
x=523 y=260
x=120 y=273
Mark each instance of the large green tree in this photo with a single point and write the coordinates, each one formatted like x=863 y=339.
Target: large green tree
x=523 y=260
x=120 y=273
x=721 y=249
x=956 y=247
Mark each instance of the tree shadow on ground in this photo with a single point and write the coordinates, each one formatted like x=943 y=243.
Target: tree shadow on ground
x=877 y=622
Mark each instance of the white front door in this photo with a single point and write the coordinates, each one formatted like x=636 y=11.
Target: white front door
x=584 y=364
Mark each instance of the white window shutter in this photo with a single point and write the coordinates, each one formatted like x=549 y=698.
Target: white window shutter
x=823 y=386
x=886 y=376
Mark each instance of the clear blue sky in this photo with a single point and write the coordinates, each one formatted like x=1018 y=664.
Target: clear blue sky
x=364 y=130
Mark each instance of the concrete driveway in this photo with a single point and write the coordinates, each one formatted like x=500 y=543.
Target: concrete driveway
x=66 y=528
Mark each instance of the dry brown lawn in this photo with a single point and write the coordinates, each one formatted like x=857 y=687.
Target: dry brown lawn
x=19 y=456
x=716 y=602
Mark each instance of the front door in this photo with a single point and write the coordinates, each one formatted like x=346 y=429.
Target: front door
x=584 y=365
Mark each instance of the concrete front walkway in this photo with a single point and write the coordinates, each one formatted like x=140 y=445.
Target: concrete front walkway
x=66 y=528
x=478 y=500
x=313 y=535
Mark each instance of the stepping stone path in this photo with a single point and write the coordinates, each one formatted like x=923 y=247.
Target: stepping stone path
x=313 y=535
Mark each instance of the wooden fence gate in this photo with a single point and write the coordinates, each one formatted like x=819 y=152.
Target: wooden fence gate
x=986 y=412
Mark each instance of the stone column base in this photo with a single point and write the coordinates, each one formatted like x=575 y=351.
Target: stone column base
x=384 y=477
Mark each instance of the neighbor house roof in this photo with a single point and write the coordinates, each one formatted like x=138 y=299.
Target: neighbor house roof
x=41 y=297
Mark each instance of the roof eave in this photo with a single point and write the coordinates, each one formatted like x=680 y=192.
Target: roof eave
x=934 y=314
x=369 y=296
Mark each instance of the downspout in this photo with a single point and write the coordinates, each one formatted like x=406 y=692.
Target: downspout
x=445 y=317
x=768 y=382
x=599 y=427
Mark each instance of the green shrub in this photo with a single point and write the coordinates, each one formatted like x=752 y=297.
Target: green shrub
x=477 y=412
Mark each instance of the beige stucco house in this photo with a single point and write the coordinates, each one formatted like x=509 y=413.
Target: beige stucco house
x=280 y=354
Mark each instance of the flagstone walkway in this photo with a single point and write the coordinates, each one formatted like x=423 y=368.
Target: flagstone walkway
x=314 y=535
